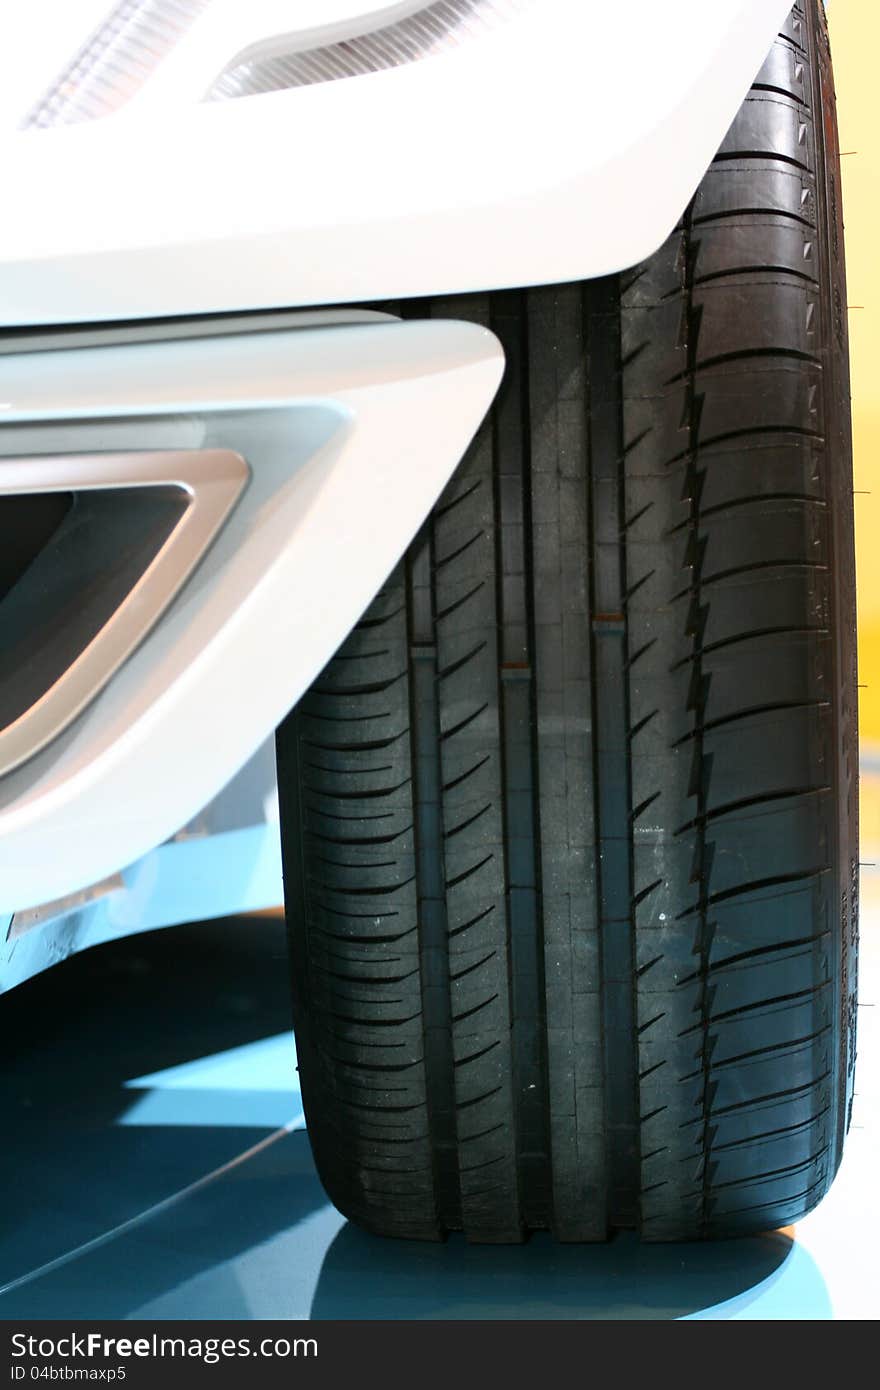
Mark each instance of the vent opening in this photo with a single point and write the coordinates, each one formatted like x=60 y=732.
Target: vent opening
x=27 y=525
x=67 y=574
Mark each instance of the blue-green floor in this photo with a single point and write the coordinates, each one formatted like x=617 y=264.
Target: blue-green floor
x=154 y=1165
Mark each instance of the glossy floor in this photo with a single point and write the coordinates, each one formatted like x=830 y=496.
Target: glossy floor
x=154 y=1165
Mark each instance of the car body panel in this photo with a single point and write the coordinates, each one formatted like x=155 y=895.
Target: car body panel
x=226 y=860
x=350 y=432
x=560 y=144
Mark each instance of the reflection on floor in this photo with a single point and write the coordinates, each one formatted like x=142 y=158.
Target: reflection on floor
x=155 y=1166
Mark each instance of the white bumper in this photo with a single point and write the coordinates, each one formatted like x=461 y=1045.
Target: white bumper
x=562 y=145
x=350 y=433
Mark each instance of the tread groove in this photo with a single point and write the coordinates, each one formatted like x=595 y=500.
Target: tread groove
x=611 y=760
x=516 y=707
x=436 y=1023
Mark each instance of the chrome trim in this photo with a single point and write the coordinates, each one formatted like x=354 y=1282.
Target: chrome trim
x=115 y=61
x=212 y=479
x=281 y=63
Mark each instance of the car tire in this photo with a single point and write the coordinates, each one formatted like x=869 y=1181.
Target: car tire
x=569 y=822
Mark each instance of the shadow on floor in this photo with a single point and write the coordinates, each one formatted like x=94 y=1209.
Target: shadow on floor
x=200 y=1256
x=70 y=1169
x=256 y=1238
x=363 y=1277
x=260 y=1241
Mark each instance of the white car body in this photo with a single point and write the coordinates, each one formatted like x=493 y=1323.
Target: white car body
x=543 y=141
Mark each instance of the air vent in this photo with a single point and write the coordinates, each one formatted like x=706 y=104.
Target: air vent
x=438 y=28
x=27 y=524
x=100 y=545
x=101 y=549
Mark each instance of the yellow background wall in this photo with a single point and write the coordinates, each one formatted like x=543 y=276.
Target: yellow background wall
x=855 y=39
